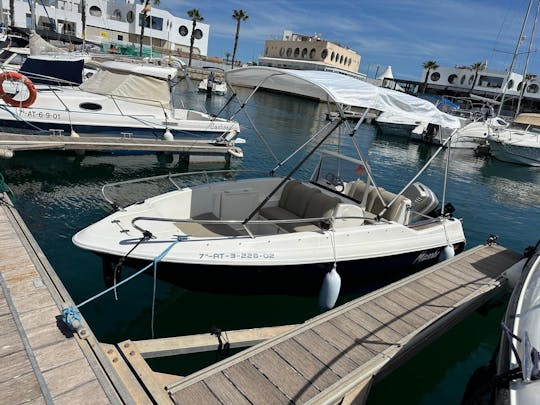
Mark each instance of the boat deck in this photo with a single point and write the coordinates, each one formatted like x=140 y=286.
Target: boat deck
x=338 y=354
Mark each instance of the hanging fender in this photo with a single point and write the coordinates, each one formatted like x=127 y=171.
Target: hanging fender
x=16 y=76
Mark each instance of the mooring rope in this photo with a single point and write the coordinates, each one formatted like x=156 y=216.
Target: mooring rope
x=71 y=313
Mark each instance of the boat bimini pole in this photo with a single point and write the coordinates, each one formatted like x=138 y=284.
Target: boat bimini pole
x=331 y=128
x=446 y=141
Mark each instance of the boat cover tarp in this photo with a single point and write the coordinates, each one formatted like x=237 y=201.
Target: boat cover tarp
x=51 y=71
x=144 y=89
x=341 y=89
x=528 y=119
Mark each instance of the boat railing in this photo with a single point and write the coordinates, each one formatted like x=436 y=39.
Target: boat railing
x=327 y=223
x=171 y=178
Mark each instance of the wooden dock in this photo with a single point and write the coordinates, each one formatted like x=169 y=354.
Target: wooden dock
x=41 y=361
x=334 y=357
x=339 y=354
x=10 y=143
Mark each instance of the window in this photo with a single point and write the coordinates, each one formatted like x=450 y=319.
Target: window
x=129 y=17
x=337 y=57
x=491 y=81
x=198 y=34
x=341 y=59
x=520 y=85
x=452 y=79
x=510 y=84
x=304 y=53
x=297 y=52
x=312 y=53
x=462 y=79
x=289 y=52
x=324 y=53
x=95 y=11
x=332 y=56
x=90 y=106
x=435 y=76
x=157 y=23
x=116 y=15
x=532 y=88
x=182 y=30
x=120 y=37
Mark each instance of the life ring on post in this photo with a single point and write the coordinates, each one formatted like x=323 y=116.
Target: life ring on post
x=16 y=76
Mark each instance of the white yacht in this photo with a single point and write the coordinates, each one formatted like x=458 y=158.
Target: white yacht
x=520 y=142
x=245 y=234
x=121 y=99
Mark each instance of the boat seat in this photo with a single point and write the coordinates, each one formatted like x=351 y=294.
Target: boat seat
x=300 y=201
x=399 y=211
x=207 y=230
x=357 y=189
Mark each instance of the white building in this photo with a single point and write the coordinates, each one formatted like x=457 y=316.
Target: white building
x=462 y=78
x=112 y=21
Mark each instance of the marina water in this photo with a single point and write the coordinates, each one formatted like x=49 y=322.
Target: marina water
x=58 y=195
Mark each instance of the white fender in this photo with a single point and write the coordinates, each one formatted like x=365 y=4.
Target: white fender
x=168 y=136
x=329 y=290
x=6 y=153
x=446 y=253
x=513 y=273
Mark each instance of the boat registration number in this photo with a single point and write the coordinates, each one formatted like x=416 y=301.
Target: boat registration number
x=237 y=255
x=39 y=114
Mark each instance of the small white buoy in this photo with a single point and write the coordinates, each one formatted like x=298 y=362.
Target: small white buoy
x=329 y=290
x=6 y=153
x=513 y=273
x=74 y=134
x=236 y=152
x=446 y=253
x=168 y=136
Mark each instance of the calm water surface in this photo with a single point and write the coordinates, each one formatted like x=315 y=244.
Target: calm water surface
x=58 y=195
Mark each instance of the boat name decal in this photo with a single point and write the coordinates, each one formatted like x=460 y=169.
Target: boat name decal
x=39 y=114
x=426 y=256
x=240 y=255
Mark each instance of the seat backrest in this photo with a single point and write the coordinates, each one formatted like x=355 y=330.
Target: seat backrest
x=357 y=190
x=297 y=198
x=399 y=211
x=321 y=205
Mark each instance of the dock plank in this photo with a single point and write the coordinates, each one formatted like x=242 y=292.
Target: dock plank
x=282 y=375
x=20 y=389
x=254 y=385
x=306 y=363
x=223 y=389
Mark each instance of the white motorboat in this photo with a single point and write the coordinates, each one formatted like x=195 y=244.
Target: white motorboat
x=517 y=366
x=122 y=99
x=217 y=87
x=276 y=234
x=520 y=142
x=476 y=133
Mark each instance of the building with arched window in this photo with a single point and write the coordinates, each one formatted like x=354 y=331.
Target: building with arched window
x=309 y=52
x=111 y=22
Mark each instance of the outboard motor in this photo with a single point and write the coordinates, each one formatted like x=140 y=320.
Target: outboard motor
x=423 y=200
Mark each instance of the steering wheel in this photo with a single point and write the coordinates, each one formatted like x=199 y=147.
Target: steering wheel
x=335 y=181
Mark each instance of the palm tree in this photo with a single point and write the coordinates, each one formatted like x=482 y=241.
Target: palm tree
x=195 y=16
x=429 y=65
x=144 y=18
x=238 y=15
x=227 y=56
x=12 y=13
x=476 y=67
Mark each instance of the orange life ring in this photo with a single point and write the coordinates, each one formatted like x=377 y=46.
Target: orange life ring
x=14 y=76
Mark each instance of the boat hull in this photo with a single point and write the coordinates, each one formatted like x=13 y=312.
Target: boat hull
x=301 y=279
x=523 y=155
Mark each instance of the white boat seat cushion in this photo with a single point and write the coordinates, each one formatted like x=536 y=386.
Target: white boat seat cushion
x=399 y=211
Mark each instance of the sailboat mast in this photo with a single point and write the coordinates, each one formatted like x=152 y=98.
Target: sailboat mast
x=518 y=42
x=524 y=81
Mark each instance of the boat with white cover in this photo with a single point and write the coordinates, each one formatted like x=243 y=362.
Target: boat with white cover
x=121 y=99
x=245 y=234
x=520 y=142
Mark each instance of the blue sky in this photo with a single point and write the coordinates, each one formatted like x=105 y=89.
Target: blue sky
x=400 y=33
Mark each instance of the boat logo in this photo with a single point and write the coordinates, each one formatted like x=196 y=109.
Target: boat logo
x=422 y=257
